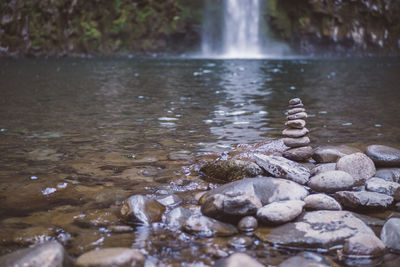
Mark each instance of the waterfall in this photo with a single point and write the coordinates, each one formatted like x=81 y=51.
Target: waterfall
x=235 y=29
x=241 y=36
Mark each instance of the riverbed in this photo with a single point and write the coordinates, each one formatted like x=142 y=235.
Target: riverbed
x=78 y=136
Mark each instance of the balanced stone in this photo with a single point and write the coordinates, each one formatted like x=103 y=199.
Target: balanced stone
x=297 y=124
x=295 y=110
x=298 y=153
x=296 y=106
x=295 y=132
x=296 y=142
x=295 y=101
x=301 y=115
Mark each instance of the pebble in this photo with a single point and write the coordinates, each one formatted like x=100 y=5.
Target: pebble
x=207 y=227
x=281 y=212
x=248 y=224
x=321 y=202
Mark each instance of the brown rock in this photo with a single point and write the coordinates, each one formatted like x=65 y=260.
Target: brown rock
x=364 y=245
x=299 y=153
x=116 y=257
x=301 y=115
x=296 y=142
x=295 y=110
x=297 y=124
x=295 y=133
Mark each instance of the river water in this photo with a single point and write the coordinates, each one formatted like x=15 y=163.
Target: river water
x=78 y=136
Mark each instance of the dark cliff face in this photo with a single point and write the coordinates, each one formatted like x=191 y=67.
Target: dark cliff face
x=337 y=26
x=75 y=27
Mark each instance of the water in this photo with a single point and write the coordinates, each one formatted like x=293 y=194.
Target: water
x=78 y=136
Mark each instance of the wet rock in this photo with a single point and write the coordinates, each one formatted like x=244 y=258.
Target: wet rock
x=48 y=254
x=295 y=133
x=358 y=165
x=34 y=234
x=248 y=224
x=363 y=245
x=306 y=259
x=321 y=202
x=142 y=209
x=96 y=218
x=301 y=115
x=283 y=168
x=230 y=170
x=230 y=205
x=238 y=260
x=317 y=229
x=297 y=124
x=323 y=167
x=207 y=227
x=384 y=156
x=240 y=242
x=296 y=142
x=384 y=187
x=267 y=189
x=117 y=257
x=363 y=200
x=246 y=151
x=390 y=234
x=299 y=153
x=295 y=101
x=176 y=217
x=295 y=110
x=327 y=154
x=331 y=181
x=389 y=174
x=170 y=200
x=280 y=212
x=296 y=106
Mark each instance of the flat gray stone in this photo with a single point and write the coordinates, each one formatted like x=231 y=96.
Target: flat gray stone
x=384 y=156
x=363 y=200
x=280 y=212
x=295 y=110
x=358 y=165
x=323 y=167
x=204 y=226
x=296 y=106
x=295 y=101
x=297 y=124
x=390 y=234
x=48 y=254
x=389 y=174
x=384 y=187
x=317 y=229
x=283 y=168
x=301 y=115
x=298 y=153
x=329 y=154
x=116 y=257
x=267 y=189
x=331 y=181
x=363 y=245
x=321 y=202
x=296 y=142
x=295 y=133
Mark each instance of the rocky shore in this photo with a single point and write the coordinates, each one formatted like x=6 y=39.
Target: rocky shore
x=318 y=202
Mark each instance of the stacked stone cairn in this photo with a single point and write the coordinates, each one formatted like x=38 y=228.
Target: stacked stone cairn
x=296 y=134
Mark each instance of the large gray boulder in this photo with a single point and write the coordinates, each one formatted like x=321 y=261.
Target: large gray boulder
x=142 y=209
x=331 y=181
x=116 y=257
x=267 y=189
x=390 y=234
x=283 y=168
x=48 y=254
x=384 y=156
x=326 y=154
x=363 y=200
x=317 y=229
x=358 y=165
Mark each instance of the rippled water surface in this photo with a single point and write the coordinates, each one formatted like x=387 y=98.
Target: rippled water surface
x=78 y=136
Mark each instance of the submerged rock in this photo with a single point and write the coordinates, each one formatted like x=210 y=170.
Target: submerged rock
x=207 y=227
x=116 y=257
x=358 y=165
x=170 y=200
x=230 y=170
x=230 y=205
x=48 y=254
x=267 y=189
x=246 y=151
x=280 y=212
x=363 y=200
x=248 y=224
x=389 y=174
x=238 y=260
x=327 y=154
x=283 y=168
x=384 y=156
x=363 y=245
x=139 y=208
x=176 y=217
x=390 y=234
x=331 y=181
x=306 y=259
x=317 y=229
x=384 y=187
x=321 y=202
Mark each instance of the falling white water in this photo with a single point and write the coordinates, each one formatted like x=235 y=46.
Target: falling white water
x=241 y=34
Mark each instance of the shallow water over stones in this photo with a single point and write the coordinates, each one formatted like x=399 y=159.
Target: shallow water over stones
x=78 y=137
